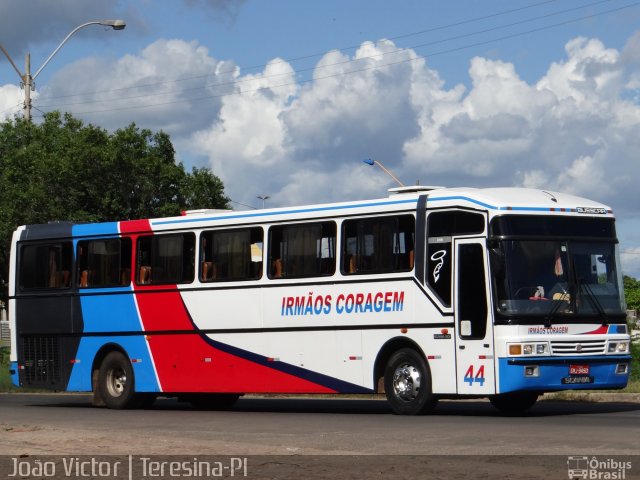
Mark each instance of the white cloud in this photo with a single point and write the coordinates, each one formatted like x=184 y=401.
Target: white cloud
x=575 y=129
x=11 y=101
x=171 y=85
x=571 y=130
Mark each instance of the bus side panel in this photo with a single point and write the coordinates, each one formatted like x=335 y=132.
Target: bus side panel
x=189 y=361
x=115 y=316
x=45 y=351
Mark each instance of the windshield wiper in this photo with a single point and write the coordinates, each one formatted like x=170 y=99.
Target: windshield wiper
x=548 y=319
x=595 y=302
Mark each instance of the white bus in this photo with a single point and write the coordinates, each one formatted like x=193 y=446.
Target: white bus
x=430 y=293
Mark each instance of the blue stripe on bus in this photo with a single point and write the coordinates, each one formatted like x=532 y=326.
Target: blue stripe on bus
x=92 y=229
x=227 y=216
x=346 y=207
x=135 y=348
x=466 y=199
x=110 y=313
x=15 y=375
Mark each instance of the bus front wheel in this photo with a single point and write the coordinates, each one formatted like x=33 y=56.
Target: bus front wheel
x=407 y=383
x=116 y=382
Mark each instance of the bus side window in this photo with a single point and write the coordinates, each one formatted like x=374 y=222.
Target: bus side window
x=378 y=245
x=165 y=259
x=231 y=255
x=104 y=262
x=302 y=250
x=45 y=266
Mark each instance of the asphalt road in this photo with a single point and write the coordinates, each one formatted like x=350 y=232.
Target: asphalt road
x=63 y=424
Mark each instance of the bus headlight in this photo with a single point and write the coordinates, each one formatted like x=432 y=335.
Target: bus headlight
x=526 y=349
x=618 y=347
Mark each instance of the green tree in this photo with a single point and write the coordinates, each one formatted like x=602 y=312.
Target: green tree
x=62 y=169
x=632 y=292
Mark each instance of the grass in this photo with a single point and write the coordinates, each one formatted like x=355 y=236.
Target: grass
x=5 y=379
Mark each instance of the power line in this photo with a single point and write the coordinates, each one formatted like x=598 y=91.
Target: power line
x=244 y=204
x=351 y=72
x=314 y=55
x=326 y=66
x=294 y=59
x=18 y=106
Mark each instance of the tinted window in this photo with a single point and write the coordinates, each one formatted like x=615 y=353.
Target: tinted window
x=565 y=226
x=45 y=266
x=378 y=245
x=104 y=262
x=472 y=300
x=231 y=255
x=439 y=268
x=302 y=250
x=166 y=259
x=455 y=222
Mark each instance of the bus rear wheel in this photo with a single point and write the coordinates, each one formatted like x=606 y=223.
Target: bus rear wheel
x=407 y=383
x=514 y=403
x=116 y=384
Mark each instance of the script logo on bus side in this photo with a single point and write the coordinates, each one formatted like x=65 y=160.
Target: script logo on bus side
x=344 y=303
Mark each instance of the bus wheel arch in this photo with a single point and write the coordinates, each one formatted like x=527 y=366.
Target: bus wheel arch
x=113 y=380
x=385 y=353
x=402 y=372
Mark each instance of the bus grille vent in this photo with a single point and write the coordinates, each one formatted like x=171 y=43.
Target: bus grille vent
x=41 y=360
x=584 y=347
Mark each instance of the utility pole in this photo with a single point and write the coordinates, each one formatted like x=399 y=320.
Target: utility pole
x=27 y=80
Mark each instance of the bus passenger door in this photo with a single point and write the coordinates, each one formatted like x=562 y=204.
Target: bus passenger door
x=474 y=328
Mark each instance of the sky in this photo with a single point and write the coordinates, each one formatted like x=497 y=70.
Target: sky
x=285 y=98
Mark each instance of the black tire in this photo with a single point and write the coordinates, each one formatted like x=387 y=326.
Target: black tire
x=407 y=383
x=213 y=401
x=514 y=403
x=116 y=383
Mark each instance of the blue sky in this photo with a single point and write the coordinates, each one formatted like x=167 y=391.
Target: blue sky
x=286 y=97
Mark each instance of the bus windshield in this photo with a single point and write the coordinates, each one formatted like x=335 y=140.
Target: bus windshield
x=557 y=279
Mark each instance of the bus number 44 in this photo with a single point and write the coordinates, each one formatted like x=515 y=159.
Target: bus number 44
x=470 y=378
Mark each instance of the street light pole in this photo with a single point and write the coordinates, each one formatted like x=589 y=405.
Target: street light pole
x=264 y=198
x=27 y=80
x=369 y=161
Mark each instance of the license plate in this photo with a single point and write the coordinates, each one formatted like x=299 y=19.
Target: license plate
x=578 y=369
x=581 y=380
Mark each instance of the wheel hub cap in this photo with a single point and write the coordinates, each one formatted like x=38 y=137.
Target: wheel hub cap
x=406 y=382
x=116 y=382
